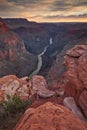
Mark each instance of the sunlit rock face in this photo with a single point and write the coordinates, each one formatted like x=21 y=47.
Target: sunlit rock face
x=76 y=75
x=50 y=117
x=13 y=55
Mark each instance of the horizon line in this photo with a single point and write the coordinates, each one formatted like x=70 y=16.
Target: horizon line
x=83 y=21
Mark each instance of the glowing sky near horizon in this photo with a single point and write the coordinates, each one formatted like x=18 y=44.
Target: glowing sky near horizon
x=45 y=10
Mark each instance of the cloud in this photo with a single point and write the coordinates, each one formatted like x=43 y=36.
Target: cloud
x=25 y=3
x=61 y=5
x=43 y=9
x=62 y=16
x=79 y=3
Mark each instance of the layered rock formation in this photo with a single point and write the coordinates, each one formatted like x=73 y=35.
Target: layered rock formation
x=13 y=56
x=50 y=116
x=35 y=37
x=76 y=75
x=11 y=85
x=11 y=44
x=64 y=40
x=39 y=85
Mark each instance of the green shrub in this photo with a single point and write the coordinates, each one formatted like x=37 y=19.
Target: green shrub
x=11 y=111
x=14 y=103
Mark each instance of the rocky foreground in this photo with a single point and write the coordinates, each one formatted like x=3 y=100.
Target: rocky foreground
x=50 y=116
x=70 y=91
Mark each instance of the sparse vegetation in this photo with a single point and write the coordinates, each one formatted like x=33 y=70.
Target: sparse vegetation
x=14 y=103
x=11 y=111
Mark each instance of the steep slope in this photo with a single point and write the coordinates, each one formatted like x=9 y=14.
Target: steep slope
x=76 y=76
x=13 y=56
x=35 y=36
x=63 y=42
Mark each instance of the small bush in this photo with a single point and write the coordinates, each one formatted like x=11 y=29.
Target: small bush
x=11 y=111
x=14 y=103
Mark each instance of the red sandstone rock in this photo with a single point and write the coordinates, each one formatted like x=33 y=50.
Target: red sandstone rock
x=70 y=103
x=14 y=59
x=77 y=51
x=83 y=102
x=11 y=85
x=76 y=75
x=50 y=117
x=11 y=44
x=39 y=86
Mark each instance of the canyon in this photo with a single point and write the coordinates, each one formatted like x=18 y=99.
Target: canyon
x=44 y=63
x=45 y=98
x=36 y=37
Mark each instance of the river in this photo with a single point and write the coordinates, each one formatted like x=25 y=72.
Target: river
x=39 y=65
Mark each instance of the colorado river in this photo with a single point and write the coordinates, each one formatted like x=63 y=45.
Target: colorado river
x=39 y=65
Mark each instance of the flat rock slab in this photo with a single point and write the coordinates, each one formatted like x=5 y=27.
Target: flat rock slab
x=69 y=102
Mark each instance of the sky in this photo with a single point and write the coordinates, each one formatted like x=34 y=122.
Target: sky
x=45 y=10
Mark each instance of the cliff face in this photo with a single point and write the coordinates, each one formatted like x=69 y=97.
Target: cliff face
x=34 y=35
x=13 y=53
x=35 y=38
x=66 y=42
x=51 y=115
x=76 y=76
x=11 y=44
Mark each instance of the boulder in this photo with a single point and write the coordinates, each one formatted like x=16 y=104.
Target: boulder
x=50 y=117
x=11 y=85
x=69 y=102
x=39 y=86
